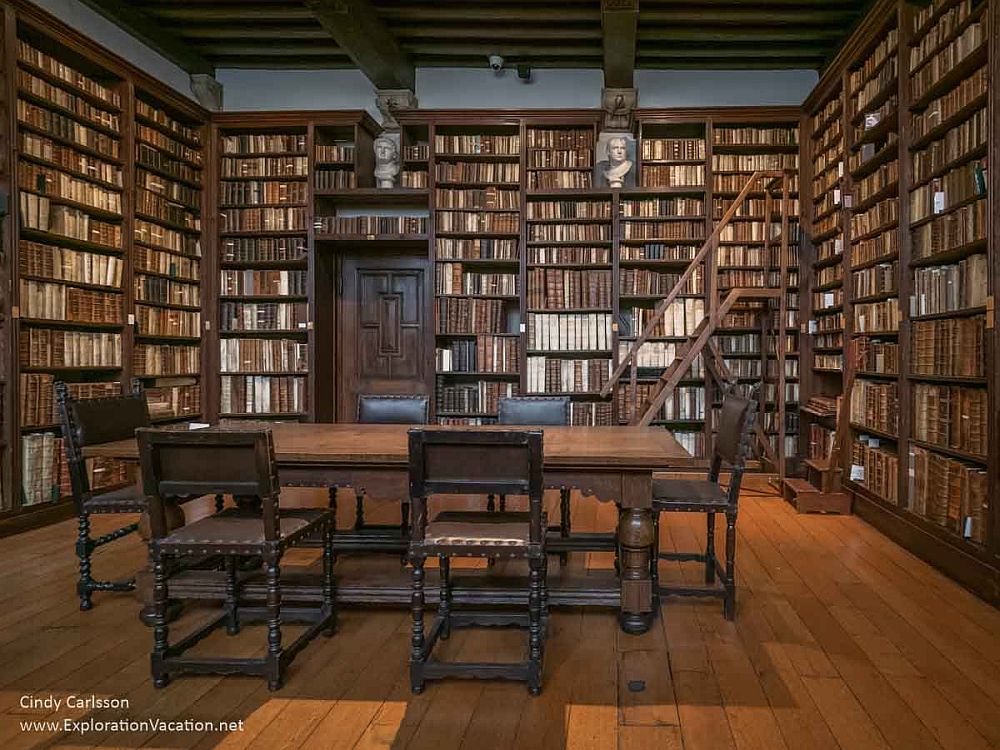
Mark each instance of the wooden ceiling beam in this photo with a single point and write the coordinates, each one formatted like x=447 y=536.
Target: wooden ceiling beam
x=748 y=34
x=151 y=33
x=229 y=13
x=356 y=27
x=488 y=46
x=285 y=63
x=755 y=16
x=253 y=32
x=272 y=49
x=619 y=26
x=489 y=12
x=759 y=50
x=505 y=31
x=748 y=64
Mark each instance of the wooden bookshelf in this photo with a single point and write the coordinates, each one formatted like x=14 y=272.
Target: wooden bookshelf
x=919 y=275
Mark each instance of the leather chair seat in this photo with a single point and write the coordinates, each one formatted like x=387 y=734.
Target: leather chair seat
x=129 y=499
x=457 y=527
x=234 y=528
x=698 y=492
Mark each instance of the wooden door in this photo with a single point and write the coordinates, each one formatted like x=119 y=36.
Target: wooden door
x=385 y=331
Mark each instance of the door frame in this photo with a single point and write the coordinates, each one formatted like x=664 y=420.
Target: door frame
x=345 y=410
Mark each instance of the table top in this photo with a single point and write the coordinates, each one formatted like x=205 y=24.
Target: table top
x=644 y=448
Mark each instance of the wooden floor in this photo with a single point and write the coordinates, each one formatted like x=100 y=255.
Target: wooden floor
x=842 y=640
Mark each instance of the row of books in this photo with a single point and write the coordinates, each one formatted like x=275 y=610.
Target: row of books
x=957 y=143
x=162 y=141
x=558 y=375
x=45 y=301
x=27 y=53
x=43 y=347
x=158 y=321
x=37 y=407
x=582 y=233
x=166 y=291
x=335 y=153
x=65 y=128
x=263 y=249
x=692 y=230
x=821 y=439
x=411 y=178
x=753 y=162
x=482 y=397
x=59 y=185
x=262 y=394
x=478 y=144
x=959 y=286
x=569 y=209
x=146 y=111
x=879 y=279
x=263 y=283
x=263 y=355
x=875 y=405
x=569 y=332
x=263 y=316
x=153 y=235
x=954 y=187
x=342 y=179
x=560 y=180
x=657 y=207
x=881 y=216
x=877 y=317
x=490 y=197
x=371 y=225
x=746 y=135
x=949 y=493
x=643 y=282
x=69 y=159
x=963 y=226
x=558 y=289
x=270 y=219
x=964 y=45
x=875 y=466
x=171 y=398
x=874 y=355
x=254 y=192
x=484 y=353
x=151 y=158
x=878 y=181
x=264 y=166
x=263 y=143
x=681 y=318
x=561 y=138
x=952 y=347
x=673 y=175
x=875 y=87
x=946 y=106
x=560 y=158
x=59 y=263
x=165 y=359
x=491 y=172
x=453 y=278
x=479 y=248
x=951 y=416
x=477 y=222
x=165 y=209
x=672 y=149
x=944 y=26
x=685 y=403
x=884 y=246
x=37 y=213
x=469 y=315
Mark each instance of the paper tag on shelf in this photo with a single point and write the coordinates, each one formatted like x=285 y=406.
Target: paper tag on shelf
x=813 y=326
x=303 y=325
x=522 y=328
x=198 y=425
x=828 y=299
x=967 y=527
x=837 y=196
x=848 y=200
x=939 y=201
x=874 y=442
x=838 y=245
x=857 y=473
x=840 y=169
x=131 y=319
x=208 y=325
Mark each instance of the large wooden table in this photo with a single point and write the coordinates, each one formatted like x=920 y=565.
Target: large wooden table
x=612 y=464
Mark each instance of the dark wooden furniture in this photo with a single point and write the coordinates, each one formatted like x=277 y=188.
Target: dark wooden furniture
x=736 y=426
x=90 y=422
x=614 y=464
x=408 y=409
x=240 y=463
x=452 y=462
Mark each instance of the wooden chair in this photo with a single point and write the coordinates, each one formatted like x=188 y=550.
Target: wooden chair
x=381 y=409
x=89 y=422
x=538 y=411
x=241 y=463
x=736 y=426
x=451 y=462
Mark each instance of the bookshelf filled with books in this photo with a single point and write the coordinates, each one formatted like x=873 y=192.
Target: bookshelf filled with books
x=916 y=289
x=265 y=193
x=477 y=250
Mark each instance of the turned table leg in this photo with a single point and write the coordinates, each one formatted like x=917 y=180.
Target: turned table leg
x=635 y=540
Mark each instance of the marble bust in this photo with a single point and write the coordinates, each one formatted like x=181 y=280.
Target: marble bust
x=615 y=171
x=386 y=162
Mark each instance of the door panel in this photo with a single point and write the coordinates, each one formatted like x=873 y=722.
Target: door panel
x=384 y=333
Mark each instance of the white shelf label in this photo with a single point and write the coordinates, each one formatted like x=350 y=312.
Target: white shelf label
x=857 y=473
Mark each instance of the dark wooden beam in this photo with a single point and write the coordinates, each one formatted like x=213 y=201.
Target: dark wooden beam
x=284 y=33
x=494 y=32
x=496 y=12
x=754 y=16
x=356 y=28
x=706 y=33
x=619 y=24
x=151 y=33
x=512 y=51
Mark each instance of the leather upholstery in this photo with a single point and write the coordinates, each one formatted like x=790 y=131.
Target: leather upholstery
x=732 y=421
x=699 y=492
x=534 y=410
x=456 y=527
x=393 y=409
x=236 y=529
x=104 y=420
x=125 y=500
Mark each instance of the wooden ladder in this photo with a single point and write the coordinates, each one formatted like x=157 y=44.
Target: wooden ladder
x=700 y=339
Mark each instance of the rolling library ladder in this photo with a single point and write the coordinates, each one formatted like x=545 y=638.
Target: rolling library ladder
x=765 y=302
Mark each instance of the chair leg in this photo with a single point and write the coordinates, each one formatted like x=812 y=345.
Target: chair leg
x=160 y=630
x=220 y=503
x=565 y=522
x=710 y=549
x=444 y=607
x=85 y=585
x=359 y=510
x=417 y=628
x=491 y=505
x=273 y=603
x=232 y=610
x=329 y=605
x=535 y=627
x=730 y=582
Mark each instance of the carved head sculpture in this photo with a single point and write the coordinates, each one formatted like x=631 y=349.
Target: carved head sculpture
x=386 y=151
x=617 y=150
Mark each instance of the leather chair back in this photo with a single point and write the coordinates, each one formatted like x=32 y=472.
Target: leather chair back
x=737 y=420
x=534 y=410
x=393 y=409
